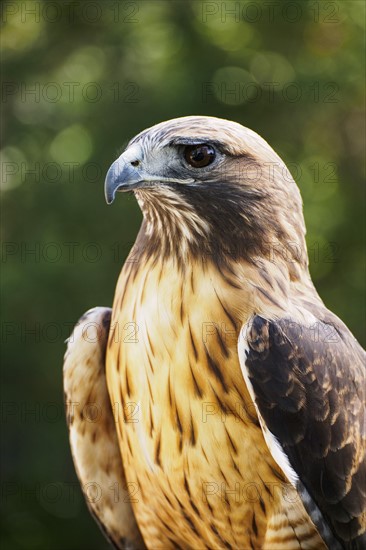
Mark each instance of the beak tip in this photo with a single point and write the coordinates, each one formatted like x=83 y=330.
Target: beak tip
x=110 y=185
x=109 y=198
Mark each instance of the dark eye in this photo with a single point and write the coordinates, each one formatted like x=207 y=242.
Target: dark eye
x=199 y=156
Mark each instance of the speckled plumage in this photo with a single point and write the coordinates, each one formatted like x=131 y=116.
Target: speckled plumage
x=217 y=248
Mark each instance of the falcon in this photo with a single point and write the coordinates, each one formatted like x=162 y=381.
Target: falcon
x=219 y=404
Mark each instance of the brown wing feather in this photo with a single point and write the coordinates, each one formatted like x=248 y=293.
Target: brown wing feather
x=309 y=387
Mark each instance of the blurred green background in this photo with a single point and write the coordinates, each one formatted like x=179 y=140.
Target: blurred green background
x=79 y=80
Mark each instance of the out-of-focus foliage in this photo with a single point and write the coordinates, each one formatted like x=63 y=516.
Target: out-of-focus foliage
x=80 y=79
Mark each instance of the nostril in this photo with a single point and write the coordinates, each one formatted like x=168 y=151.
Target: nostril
x=135 y=162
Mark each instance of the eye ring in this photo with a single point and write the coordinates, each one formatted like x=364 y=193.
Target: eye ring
x=199 y=156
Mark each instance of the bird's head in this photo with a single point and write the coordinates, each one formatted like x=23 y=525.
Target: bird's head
x=210 y=186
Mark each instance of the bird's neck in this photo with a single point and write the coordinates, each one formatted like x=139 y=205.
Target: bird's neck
x=171 y=228
x=177 y=232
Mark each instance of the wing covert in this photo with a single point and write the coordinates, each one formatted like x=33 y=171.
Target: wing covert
x=308 y=384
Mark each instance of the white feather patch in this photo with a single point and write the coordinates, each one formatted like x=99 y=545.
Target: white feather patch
x=272 y=442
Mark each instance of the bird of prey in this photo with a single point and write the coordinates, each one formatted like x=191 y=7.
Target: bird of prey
x=219 y=404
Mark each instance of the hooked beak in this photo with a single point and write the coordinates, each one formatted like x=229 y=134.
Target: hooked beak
x=122 y=176
x=126 y=174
